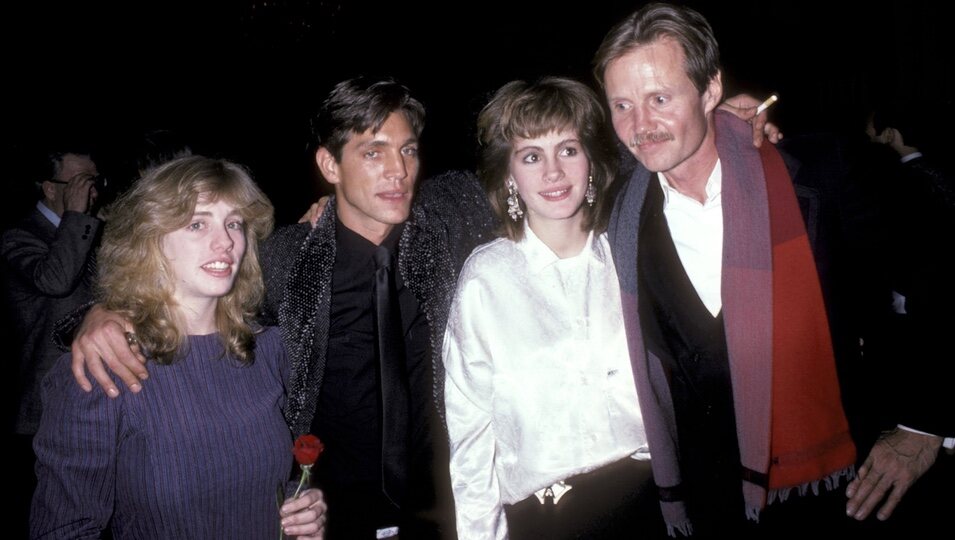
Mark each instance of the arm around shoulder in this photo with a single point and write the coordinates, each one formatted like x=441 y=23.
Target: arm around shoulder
x=454 y=205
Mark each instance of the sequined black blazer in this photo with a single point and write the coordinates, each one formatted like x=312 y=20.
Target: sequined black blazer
x=449 y=218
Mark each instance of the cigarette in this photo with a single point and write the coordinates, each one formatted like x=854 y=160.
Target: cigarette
x=766 y=104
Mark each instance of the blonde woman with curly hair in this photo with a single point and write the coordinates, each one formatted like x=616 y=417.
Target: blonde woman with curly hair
x=197 y=453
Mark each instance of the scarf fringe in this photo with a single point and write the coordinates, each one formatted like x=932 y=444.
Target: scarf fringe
x=830 y=482
x=752 y=513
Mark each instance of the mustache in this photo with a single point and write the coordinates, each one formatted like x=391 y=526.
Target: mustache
x=652 y=137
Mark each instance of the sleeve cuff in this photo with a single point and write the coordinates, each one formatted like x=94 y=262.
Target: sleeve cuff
x=948 y=442
x=909 y=157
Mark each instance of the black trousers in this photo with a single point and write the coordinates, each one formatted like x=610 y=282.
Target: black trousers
x=356 y=511
x=615 y=501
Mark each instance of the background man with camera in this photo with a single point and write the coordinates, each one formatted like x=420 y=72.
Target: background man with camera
x=48 y=268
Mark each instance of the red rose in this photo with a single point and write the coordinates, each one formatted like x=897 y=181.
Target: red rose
x=307 y=449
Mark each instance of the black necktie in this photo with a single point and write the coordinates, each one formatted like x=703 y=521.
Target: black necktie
x=394 y=380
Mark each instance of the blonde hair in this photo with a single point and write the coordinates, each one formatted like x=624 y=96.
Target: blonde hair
x=135 y=279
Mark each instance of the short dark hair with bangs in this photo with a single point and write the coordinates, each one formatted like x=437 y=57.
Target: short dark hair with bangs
x=529 y=110
x=359 y=104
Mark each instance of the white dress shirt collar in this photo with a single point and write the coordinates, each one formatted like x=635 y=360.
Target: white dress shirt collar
x=540 y=256
x=714 y=185
x=50 y=215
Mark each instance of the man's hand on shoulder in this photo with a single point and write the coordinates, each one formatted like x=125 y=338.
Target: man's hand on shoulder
x=106 y=340
x=314 y=212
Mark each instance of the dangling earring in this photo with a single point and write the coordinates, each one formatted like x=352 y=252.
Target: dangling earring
x=591 y=193
x=513 y=202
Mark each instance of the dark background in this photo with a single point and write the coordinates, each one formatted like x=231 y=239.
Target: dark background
x=240 y=79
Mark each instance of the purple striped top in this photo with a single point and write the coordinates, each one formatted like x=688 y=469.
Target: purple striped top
x=197 y=454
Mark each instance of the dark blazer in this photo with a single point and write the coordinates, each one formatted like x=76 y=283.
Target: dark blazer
x=449 y=218
x=880 y=227
x=48 y=273
x=930 y=294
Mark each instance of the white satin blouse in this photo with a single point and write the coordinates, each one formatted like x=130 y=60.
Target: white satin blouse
x=539 y=385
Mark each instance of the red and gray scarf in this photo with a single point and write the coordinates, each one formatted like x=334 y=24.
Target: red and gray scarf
x=790 y=423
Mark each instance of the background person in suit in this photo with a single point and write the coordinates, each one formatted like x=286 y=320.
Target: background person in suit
x=48 y=264
x=914 y=198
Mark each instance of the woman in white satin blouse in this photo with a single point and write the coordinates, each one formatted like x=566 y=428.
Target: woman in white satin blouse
x=547 y=440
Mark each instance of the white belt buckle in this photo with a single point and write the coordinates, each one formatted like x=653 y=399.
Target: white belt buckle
x=556 y=491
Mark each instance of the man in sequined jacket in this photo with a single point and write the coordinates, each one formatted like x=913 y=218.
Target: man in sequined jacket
x=320 y=290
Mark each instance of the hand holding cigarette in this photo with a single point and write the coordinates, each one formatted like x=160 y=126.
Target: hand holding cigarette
x=767 y=104
x=746 y=107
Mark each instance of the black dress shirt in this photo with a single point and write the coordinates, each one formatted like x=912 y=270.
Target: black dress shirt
x=348 y=417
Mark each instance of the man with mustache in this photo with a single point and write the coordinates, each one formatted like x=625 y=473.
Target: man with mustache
x=723 y=304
